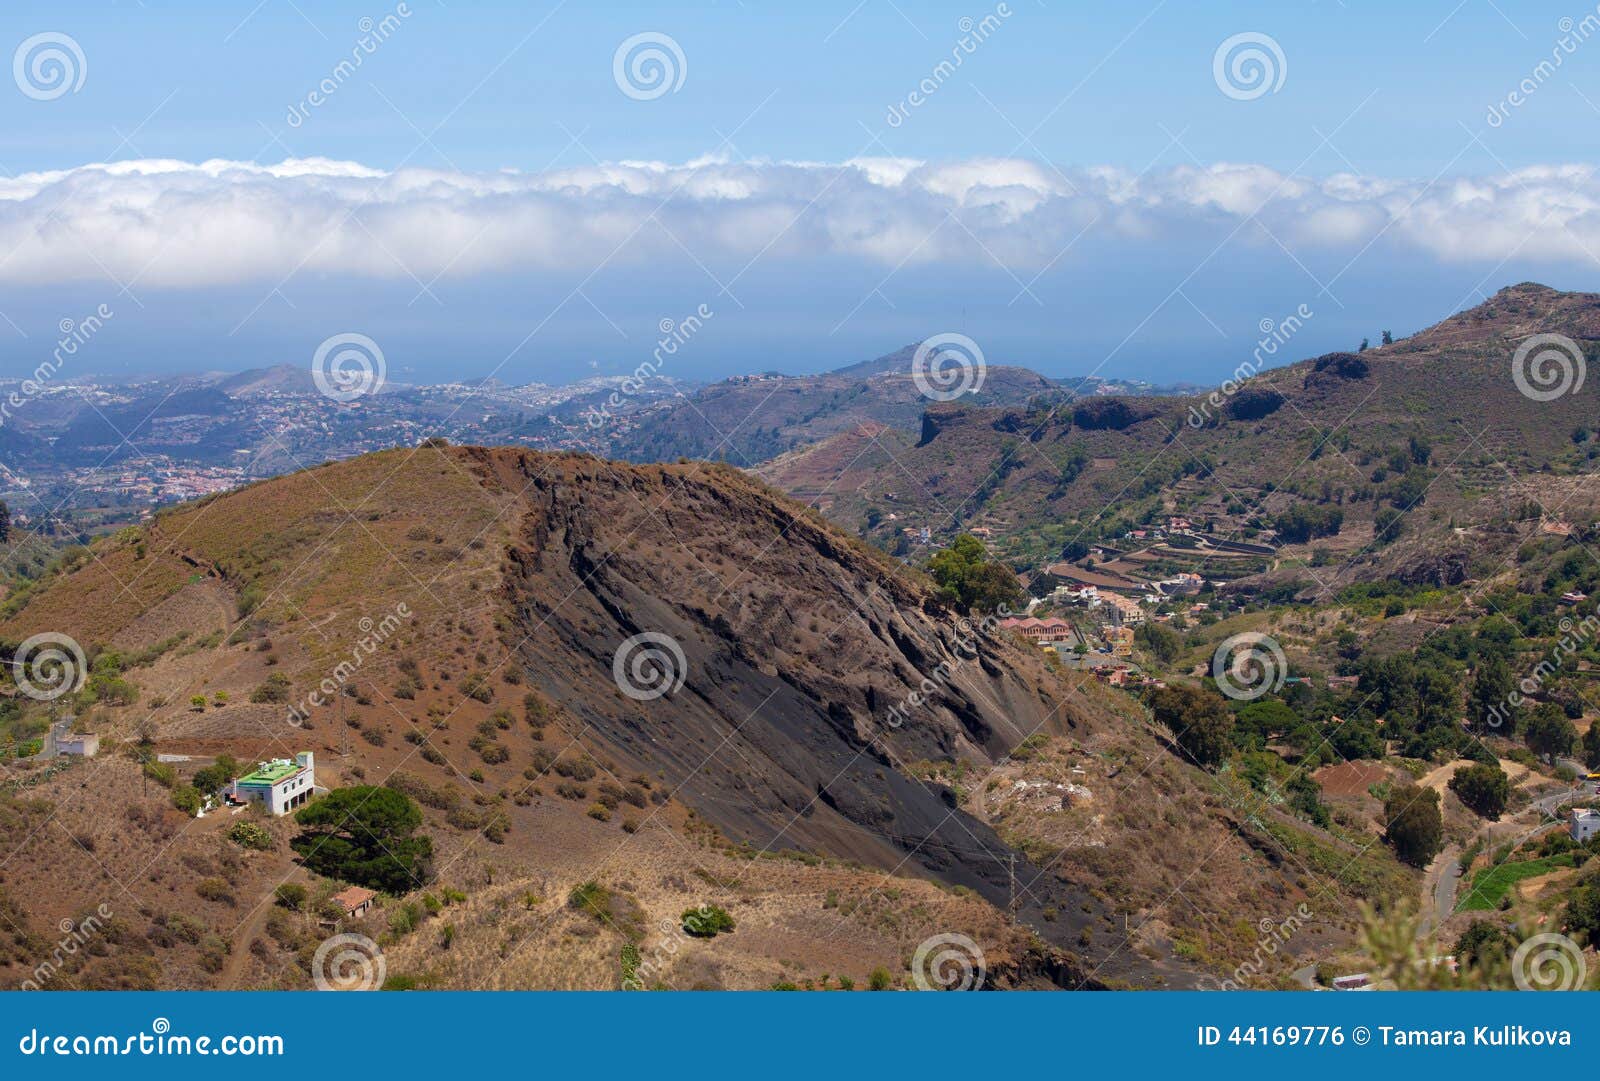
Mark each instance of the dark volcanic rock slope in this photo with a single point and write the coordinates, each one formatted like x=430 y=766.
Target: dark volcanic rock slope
x=798 y=644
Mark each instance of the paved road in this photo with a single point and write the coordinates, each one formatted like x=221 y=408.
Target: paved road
x=1441 y=880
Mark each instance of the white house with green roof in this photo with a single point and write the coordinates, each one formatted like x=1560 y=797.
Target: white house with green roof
x=280 y=785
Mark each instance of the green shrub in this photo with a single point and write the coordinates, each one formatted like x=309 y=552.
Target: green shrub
x=707 y=921
x=250 y=835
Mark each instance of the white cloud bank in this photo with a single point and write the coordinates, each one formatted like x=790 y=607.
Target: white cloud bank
x=172 y=223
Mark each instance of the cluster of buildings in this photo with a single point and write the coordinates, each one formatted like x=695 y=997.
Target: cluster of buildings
x=1063 y=638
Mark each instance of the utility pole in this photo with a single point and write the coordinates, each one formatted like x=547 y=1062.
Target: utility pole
x=1011 y=865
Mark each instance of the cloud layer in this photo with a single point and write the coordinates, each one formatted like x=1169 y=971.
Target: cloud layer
x=178 y=224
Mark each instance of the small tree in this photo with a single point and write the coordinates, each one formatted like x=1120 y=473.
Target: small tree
x=1591 y=746
x=1549 y=732
x=1483 y=788
x=186 y=798
x=1163 y=643
x=1201 y=725
x=1413 y=824
x=970 y=580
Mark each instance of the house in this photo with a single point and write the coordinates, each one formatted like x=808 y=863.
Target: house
x=1120 y=639
x=1585 y=824
x=85 y=744
x=1126 y=610
x=280 y=785
x=355 y=901
x=1182 y=584
x=1040 y=631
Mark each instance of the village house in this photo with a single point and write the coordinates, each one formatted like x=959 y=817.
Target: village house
x=1120 y=639
x=355 y=901
x=1125 y=610
x=280 y=785
x=1585 y=824
x=1040 y=631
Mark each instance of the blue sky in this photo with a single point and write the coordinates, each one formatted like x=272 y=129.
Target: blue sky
x=1383 y=197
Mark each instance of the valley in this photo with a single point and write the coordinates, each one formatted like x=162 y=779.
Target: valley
x=1269 y=688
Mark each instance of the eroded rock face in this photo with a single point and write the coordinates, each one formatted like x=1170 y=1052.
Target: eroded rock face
x=812 y=668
